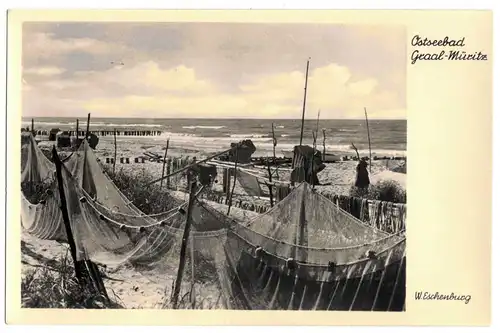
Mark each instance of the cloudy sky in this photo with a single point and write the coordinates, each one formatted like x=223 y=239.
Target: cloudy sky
x=220 y=70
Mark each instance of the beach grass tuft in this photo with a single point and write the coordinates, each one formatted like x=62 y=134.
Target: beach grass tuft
x=151 y=199
x=383 y=190
x=56 y=286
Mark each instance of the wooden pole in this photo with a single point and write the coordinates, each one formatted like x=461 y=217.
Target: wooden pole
x=33 y=126
x=234 y=184
x=64 y=211
x=356 y=150
x=185 y=237
x=369 y=141
x=193 y=291
x=227 y=192
x=302 y=232
x=225 y=182
x=88 y=127
x=164 y=162
x=192 y=178
x=114 y=160
x=77 y=130
x=270 y=186
x=324 y=144
x=275 y=142
x=317 y=123
x=304 y=104
x=311 y=177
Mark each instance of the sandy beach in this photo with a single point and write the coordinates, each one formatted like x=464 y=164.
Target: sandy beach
x=341 y=175
x=140 y=290
x=127 y=286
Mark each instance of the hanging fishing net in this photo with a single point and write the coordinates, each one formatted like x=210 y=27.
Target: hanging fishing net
x=40 y=204
x=305 y=253
x=252 y=184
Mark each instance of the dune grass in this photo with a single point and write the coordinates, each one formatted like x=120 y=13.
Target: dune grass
x=384 y=190
x=56 y=286
x=150 y=200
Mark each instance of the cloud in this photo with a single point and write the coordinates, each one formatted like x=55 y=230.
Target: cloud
x=44 y=71
x=42 y=46
x=235 y=70
x=178 y=91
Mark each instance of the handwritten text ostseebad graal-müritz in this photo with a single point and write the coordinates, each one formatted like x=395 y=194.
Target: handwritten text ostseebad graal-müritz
x=443 y=54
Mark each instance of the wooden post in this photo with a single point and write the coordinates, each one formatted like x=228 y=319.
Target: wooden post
x=185 y=237
x=64 y=210
x=311 y=177
x=88 y=128
x=227 y=192
x=114 y=160
x=302 y=237
x=230 y=201
x=193 y=291
x=191 y=178
x=169 y=161
x=369 y=141
x=275 y=142
x=95 y=277
x=33 y=126
x=324 y=144
x=270 y=186
x=164 y=162
x=224 y=181
x=317 y=123
x=304 y=104
x=77 y=130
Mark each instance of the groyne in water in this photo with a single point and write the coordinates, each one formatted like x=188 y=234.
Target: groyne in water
x=106 y=132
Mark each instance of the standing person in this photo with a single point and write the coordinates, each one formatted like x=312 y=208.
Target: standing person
x=362 y=178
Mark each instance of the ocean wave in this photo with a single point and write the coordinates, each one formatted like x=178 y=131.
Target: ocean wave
x=280 y=126
x=264 y=145
x=181 y=135
x=247 y=136
x=99 y=124
x=203 y=141
x=203 y=127
x=346 y=130
x=44 y=124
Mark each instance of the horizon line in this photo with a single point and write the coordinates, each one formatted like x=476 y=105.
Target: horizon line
x=214 y=118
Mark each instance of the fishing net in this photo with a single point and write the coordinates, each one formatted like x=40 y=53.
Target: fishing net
x=35 y=167
x=40 y=211
x=299 y=253
x=257 y=185
x=305 y=253
x=252 y=184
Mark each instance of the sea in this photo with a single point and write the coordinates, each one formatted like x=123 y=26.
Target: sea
x=388 y=137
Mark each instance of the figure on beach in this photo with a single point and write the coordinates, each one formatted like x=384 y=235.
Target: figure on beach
x=307 y=164
x=362 y=178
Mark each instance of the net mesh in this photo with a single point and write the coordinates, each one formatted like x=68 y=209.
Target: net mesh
x=251 y=184
x=305 y=253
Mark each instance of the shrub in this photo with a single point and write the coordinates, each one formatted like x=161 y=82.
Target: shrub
x=388 y=190
x=384 y=190
x=57 y=287
x=149 y=200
